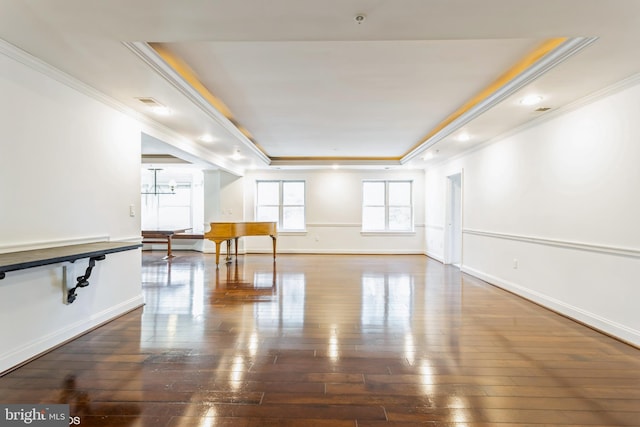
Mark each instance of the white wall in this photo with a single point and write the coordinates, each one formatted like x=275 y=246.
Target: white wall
x=334 y=214
x=211 y=210
x=70 y=169
x=232 y=198
x=560 y=200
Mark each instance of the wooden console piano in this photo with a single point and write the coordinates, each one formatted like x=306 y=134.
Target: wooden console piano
x=228 y=231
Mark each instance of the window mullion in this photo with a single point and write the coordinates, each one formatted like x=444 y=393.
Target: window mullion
x=386 y=205
x=281 y=204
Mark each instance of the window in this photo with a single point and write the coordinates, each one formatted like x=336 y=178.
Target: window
x=281 y=202
x=172 y=198
x=387 y=206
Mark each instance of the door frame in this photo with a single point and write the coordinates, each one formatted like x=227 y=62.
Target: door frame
x=453 y=241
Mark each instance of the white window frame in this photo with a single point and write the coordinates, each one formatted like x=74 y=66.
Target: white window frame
x=152 y=205
x=281 y=206
x=386 y=229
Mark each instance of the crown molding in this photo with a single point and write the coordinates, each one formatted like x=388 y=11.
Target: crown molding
x=48 y=70
x=149 y=126
x=627 y=83
x=164 y=70
x=558 y=55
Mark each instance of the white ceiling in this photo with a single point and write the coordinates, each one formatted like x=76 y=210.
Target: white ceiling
x=310 y=85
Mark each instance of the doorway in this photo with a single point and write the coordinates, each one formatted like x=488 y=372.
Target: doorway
x=453 y=232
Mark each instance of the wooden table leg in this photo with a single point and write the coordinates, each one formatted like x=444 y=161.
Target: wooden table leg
x=169 y=254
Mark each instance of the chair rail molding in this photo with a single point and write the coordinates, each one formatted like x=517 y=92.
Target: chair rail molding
x=567 y=244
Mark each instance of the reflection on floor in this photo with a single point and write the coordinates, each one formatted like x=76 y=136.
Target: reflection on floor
x=333 y=340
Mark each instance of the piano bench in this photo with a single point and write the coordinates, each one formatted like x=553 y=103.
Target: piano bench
x=188 y=236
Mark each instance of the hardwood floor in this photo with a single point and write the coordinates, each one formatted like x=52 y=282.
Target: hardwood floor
x=323 y=340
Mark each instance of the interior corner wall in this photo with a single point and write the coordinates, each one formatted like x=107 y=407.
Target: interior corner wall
x=70 y=168
x=223 y=202
x=334 y=213
x=231 y=197
x=551 y=213
x=212 y=212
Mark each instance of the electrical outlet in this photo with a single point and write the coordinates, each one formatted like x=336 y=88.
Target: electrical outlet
x=515 y=263
x=132 y=210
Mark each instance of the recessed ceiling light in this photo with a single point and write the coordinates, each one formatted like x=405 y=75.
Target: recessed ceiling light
x=428 y=156
x=531 y=100
x=206 y=138
x=335 y=166
x=161 y=110
x=464 y=137
x=237 y=155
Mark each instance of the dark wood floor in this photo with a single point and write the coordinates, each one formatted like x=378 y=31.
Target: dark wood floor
x=333 y=341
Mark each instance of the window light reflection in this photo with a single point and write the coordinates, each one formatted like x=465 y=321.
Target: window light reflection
x=409 y=348
x=253 y=343
x=459 y=415
x=426 y=377
x=387 y=300
x=291 y=308
x=172 y=325
x=333 y=344
x=197 y=299
x=209 y=418
x=237 y=372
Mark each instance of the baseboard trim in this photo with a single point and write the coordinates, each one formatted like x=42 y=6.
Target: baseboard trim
x=435 y=256
x=18 y=357
x=296 y=252
x=334 y=252
x=613 y=329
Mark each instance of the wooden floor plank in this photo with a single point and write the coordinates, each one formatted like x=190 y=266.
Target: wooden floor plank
x=333 y=340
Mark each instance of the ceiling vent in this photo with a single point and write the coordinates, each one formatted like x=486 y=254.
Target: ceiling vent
x=149 y=102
